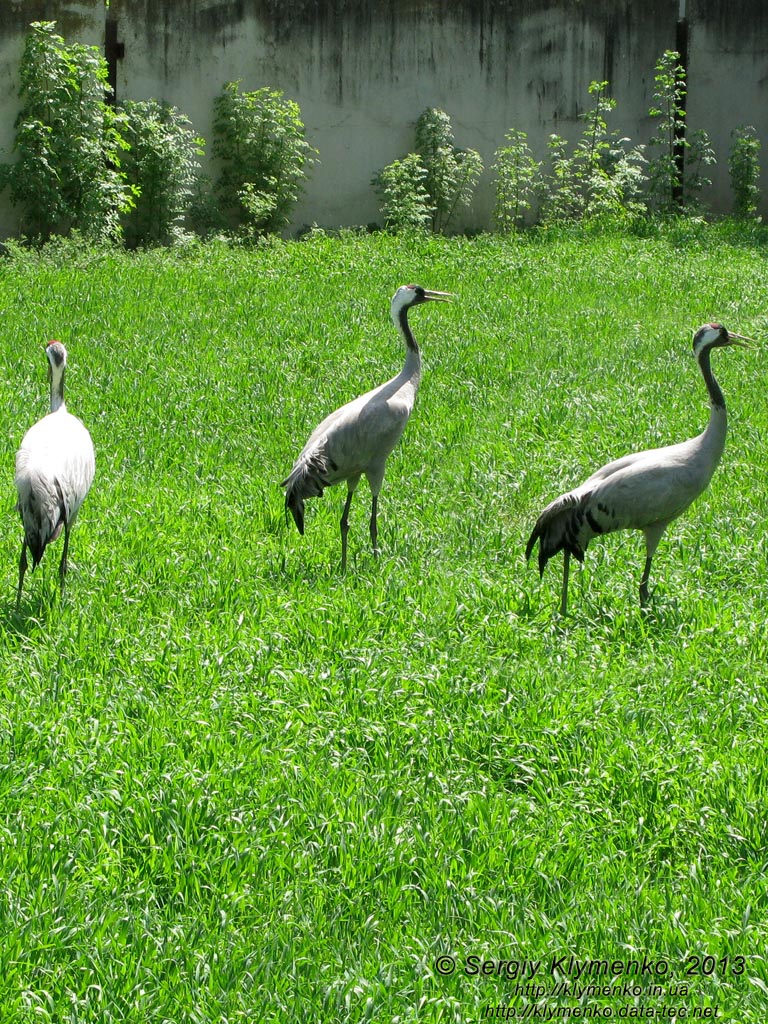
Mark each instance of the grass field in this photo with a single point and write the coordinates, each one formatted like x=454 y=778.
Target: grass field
x=237 y=786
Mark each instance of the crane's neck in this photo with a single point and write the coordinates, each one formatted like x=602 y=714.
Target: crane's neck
x=714 y=434
x=412 y=368
x=57 y=388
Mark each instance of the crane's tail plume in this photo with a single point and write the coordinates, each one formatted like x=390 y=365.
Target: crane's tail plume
x=559 y=528
x=41 y=506
x=307 y=479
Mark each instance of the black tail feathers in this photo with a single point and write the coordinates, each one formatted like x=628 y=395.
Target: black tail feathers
x=306 y=480
x=557 y=529
x=295 y=504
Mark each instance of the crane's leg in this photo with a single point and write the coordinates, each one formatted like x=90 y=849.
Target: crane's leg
x=373 y=527
x=22 y=570
x=564 y=592
x=345 y=530
x=63 y=562
x=644 y=582
x=652 y=536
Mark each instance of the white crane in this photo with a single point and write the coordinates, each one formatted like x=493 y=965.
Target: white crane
x=358 y=437
x=55 y=466
x=645 y=491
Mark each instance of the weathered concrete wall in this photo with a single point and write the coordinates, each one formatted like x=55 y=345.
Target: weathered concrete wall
x=727 y=80
x=363 y=71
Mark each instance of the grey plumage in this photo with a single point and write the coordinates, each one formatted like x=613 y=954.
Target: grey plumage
x=357 y=439
x=55 y=466
x=645 y=491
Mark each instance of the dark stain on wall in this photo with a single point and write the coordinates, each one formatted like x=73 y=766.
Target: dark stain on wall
x=210 y=21
x=348 y=46
x=736 y=23
x=217 y=19
x=16 y=17
x=340 y=33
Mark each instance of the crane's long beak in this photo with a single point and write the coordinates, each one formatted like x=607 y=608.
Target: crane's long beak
x=437 y=296
x=740 y=340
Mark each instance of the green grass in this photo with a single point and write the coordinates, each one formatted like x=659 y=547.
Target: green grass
x=237 y=786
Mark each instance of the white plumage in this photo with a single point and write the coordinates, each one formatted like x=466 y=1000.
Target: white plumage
x=645 y=491
x=55 y=466
x=357 y=438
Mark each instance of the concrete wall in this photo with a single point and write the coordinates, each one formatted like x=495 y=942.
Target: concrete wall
x=362 y=71
x=727 y=80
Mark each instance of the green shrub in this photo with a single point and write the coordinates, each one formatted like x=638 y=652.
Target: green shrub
x=68 y=140
x=744 y=169
x=405 y=202
x=618 y=191
x=563 y=196
x=452 y=173
x=665 y=170
x=676 y=177
x=263 y=154
x=428 y=187
x=518 y=181
x=163 y=167
x=601 y=177
x=699 y=154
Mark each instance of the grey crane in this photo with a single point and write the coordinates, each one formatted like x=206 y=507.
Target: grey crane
x=55 y=466
x=644 y=491
x=357 y=438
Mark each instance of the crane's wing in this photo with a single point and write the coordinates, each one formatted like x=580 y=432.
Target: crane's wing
x=352 y=440
x=55 y=466
x=637 y=492
x=651 y=490
x=646 y=491
x=559 y=528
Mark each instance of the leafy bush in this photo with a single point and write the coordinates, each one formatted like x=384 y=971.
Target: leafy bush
x=676 y=179
x=405 y=202
x=428 y=187
x=744 y=169
x=698 y=155
x=162 y=165
x=665 y=171
x=618 y=192
x=562 y=187
x=601 y=177
x=452 y=173
x=264 y=157
x=518 y=181
x=68 y=142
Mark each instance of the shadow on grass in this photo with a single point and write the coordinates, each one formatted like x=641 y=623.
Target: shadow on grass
x=36 y=607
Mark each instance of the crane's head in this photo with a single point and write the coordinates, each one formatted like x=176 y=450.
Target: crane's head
x=716 y=336
x=412 y=295
x=57 y=357
x=57 y=364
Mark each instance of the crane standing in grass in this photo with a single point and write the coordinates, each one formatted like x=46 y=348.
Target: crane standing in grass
x=358 y=437
x=55 y=466
x=645 y=491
